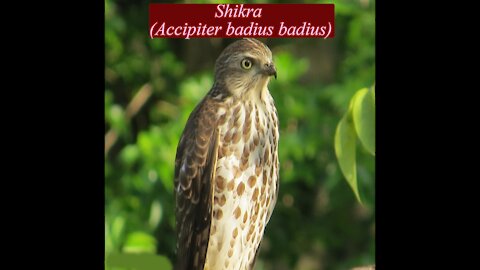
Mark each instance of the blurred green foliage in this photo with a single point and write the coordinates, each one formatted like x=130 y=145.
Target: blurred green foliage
x=151 y=86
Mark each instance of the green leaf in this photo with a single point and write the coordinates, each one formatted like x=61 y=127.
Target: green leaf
x=363 y=113
x=155 y=214
x=117 y=118
x=116 y=232
x=140 y=242
x=345 y=140
x=139 y=261
x=108 y=239
x=130 y=154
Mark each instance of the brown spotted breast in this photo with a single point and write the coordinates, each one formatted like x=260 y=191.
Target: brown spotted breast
x=245 y=184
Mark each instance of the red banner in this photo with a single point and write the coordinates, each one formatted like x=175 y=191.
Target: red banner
x=241 y=20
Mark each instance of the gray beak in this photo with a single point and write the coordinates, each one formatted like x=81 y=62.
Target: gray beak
x=270 y=70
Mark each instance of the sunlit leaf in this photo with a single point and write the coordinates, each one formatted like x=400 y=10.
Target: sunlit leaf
x=155 y=214
x=145 y=144
x=345 y=140
x=363 y=113
x=130 y=154
x=113 y=233
x=108 y=239
x=117 y=118
x=140 y=242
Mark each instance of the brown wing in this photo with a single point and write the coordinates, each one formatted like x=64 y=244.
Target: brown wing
x=195 y=166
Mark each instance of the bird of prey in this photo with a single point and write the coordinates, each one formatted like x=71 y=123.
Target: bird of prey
x=226 y=166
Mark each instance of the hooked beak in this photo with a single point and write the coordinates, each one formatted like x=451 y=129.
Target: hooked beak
x=270 y=70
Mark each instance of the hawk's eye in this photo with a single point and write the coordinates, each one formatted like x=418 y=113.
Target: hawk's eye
x=246 y=64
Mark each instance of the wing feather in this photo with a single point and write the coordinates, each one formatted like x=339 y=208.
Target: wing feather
x=195 y=166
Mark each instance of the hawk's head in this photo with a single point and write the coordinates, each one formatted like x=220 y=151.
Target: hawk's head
x=244 y=66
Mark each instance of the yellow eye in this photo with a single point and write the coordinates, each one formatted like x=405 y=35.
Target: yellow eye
x=246 y=64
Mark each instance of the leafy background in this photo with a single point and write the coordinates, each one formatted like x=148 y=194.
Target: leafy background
x=151 y=86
